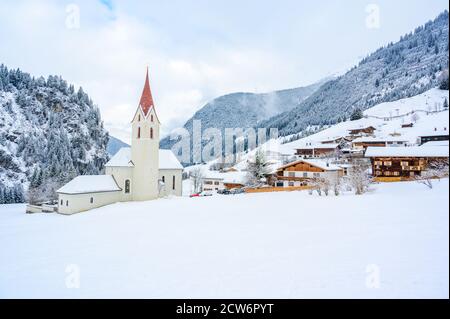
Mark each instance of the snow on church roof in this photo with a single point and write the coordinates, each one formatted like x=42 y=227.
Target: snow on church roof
x=90 y=184
x=167 y=159
x=121 y=159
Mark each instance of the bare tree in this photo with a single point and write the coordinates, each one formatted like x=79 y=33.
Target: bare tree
x=197 y=178
x=337 y=186
x=415 y=117
x=435 y=171
x=358 y=176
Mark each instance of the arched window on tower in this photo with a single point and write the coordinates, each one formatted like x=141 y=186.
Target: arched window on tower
x=127 y=186
x=139 y=133
x=151 y=132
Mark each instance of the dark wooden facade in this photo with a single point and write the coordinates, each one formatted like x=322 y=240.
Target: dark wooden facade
x=433 y=138
x=320 y=151
x=404 y=167
x=366 y=130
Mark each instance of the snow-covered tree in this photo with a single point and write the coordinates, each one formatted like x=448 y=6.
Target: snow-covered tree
x=257 y=169
x=356 y=115
x=358 y=176
x=435 y=171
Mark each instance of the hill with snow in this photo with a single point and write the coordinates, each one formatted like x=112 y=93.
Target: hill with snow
x=413 y=65
x=48 y=131
x=425 y=111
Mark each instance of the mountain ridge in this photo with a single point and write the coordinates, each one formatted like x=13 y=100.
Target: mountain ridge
x=402 y=69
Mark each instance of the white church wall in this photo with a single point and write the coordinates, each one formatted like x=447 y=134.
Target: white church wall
x=121 y=174
x=74 y=203
x=168 y=175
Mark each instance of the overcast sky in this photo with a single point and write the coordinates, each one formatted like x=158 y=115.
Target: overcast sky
x=196 y=50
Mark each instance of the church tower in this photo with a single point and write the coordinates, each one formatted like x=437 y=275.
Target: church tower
x=145 y=148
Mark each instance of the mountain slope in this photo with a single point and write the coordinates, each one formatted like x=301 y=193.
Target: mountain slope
x=48 y=133
x=407 y=68
x=245 y=110
x=114 y=145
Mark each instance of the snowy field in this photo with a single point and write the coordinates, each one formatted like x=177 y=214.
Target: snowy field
x=277 y=245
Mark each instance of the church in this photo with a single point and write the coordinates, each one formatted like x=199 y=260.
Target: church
x=140 y=173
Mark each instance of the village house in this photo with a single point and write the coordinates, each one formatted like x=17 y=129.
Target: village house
x=142 y=172
x=365 y=142
x=436 y=135
x=318 y=150
x=363 y=131
x=303 y=172
x=398 y=163
x=214 y=181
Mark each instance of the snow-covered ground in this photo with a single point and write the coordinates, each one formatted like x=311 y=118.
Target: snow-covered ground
x=277 y=245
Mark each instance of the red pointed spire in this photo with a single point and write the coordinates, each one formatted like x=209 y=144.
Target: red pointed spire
x=146 y=102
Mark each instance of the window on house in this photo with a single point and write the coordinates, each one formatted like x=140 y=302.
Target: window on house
x=62 y=202
x=291 y=174
x=305 y=174
x=216 y=183
x=127 y=186
x=139 y=117
x=388 y=163
x=139 y=133
x=67 y=203
x=92 y=200
x=151 y=132
x=316 y=175
x=173 y=182
x=163 y=179
x=291 y=184
x=151 y=117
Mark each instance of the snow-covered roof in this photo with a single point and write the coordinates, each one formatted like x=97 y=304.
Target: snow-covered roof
x=378 y=139
x=436 y=143
x=434 y=133
x=121 y=159
x=322 y=164
x=167 y=160
x=228 y=177
x=416 y=151
x=90 y=184
x=318 y=146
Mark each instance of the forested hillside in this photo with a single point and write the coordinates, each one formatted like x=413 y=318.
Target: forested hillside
x=49 y=133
